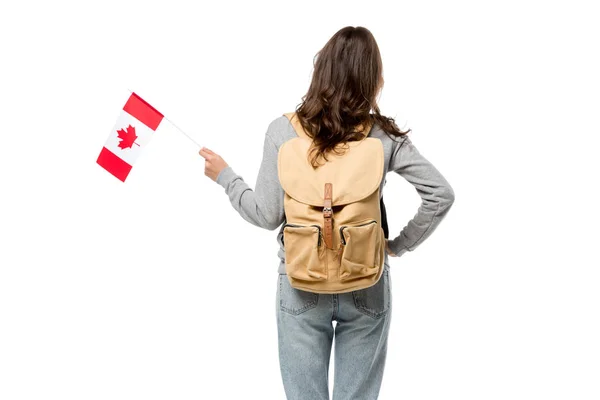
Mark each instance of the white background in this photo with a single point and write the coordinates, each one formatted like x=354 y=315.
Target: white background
x=157 y=289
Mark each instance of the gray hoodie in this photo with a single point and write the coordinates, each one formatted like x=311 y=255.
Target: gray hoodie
x=263 y=206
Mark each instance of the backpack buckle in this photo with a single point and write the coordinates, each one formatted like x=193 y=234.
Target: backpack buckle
x=327 y=214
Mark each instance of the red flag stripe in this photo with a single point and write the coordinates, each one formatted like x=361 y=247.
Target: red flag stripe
x=113 y=164
x=138 y=108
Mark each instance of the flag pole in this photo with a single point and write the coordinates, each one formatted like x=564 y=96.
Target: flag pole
x=176 y=127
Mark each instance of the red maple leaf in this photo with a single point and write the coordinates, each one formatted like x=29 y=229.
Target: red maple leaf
x=127 y=137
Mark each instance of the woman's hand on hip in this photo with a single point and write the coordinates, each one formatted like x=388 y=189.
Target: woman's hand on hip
x=213 y=163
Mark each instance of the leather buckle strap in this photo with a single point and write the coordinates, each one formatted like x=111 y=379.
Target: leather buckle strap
x=328 y=216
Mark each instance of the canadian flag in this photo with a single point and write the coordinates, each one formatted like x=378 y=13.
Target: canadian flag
x=134 y=129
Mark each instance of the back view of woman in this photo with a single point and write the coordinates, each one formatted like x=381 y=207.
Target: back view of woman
x=339 y=107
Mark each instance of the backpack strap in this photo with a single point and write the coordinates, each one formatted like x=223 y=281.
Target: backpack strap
x=327 y=216
x=296 y=125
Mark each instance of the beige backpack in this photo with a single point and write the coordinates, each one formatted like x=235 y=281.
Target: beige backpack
x=333 y=239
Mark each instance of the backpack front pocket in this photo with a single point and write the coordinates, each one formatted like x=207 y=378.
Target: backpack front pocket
x=361 y=250
x=304 y=257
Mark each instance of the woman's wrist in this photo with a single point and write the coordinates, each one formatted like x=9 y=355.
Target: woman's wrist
x=388 y=250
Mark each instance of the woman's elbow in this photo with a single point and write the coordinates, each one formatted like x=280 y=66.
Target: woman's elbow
x=447 y=196
x=271 y=224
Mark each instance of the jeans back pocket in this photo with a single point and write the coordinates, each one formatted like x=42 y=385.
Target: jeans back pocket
x=375 y=300
x=295 y=301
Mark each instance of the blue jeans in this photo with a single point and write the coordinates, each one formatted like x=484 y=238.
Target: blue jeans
x=305 y=334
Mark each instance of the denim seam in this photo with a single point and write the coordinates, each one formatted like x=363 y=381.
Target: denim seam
x=335 y=305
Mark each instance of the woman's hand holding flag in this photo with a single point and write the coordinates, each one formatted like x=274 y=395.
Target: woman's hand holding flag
x=213 y=163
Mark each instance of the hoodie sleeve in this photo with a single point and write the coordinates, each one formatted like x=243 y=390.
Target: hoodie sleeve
x=437 y=196
x=262 y=206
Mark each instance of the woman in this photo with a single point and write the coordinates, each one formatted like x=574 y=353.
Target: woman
x=346 y=81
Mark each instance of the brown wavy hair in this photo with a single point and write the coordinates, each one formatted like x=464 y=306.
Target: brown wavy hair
x=347 y=77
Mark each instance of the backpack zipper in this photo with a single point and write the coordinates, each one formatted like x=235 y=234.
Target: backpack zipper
x=304 y=226
x=346 y=226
